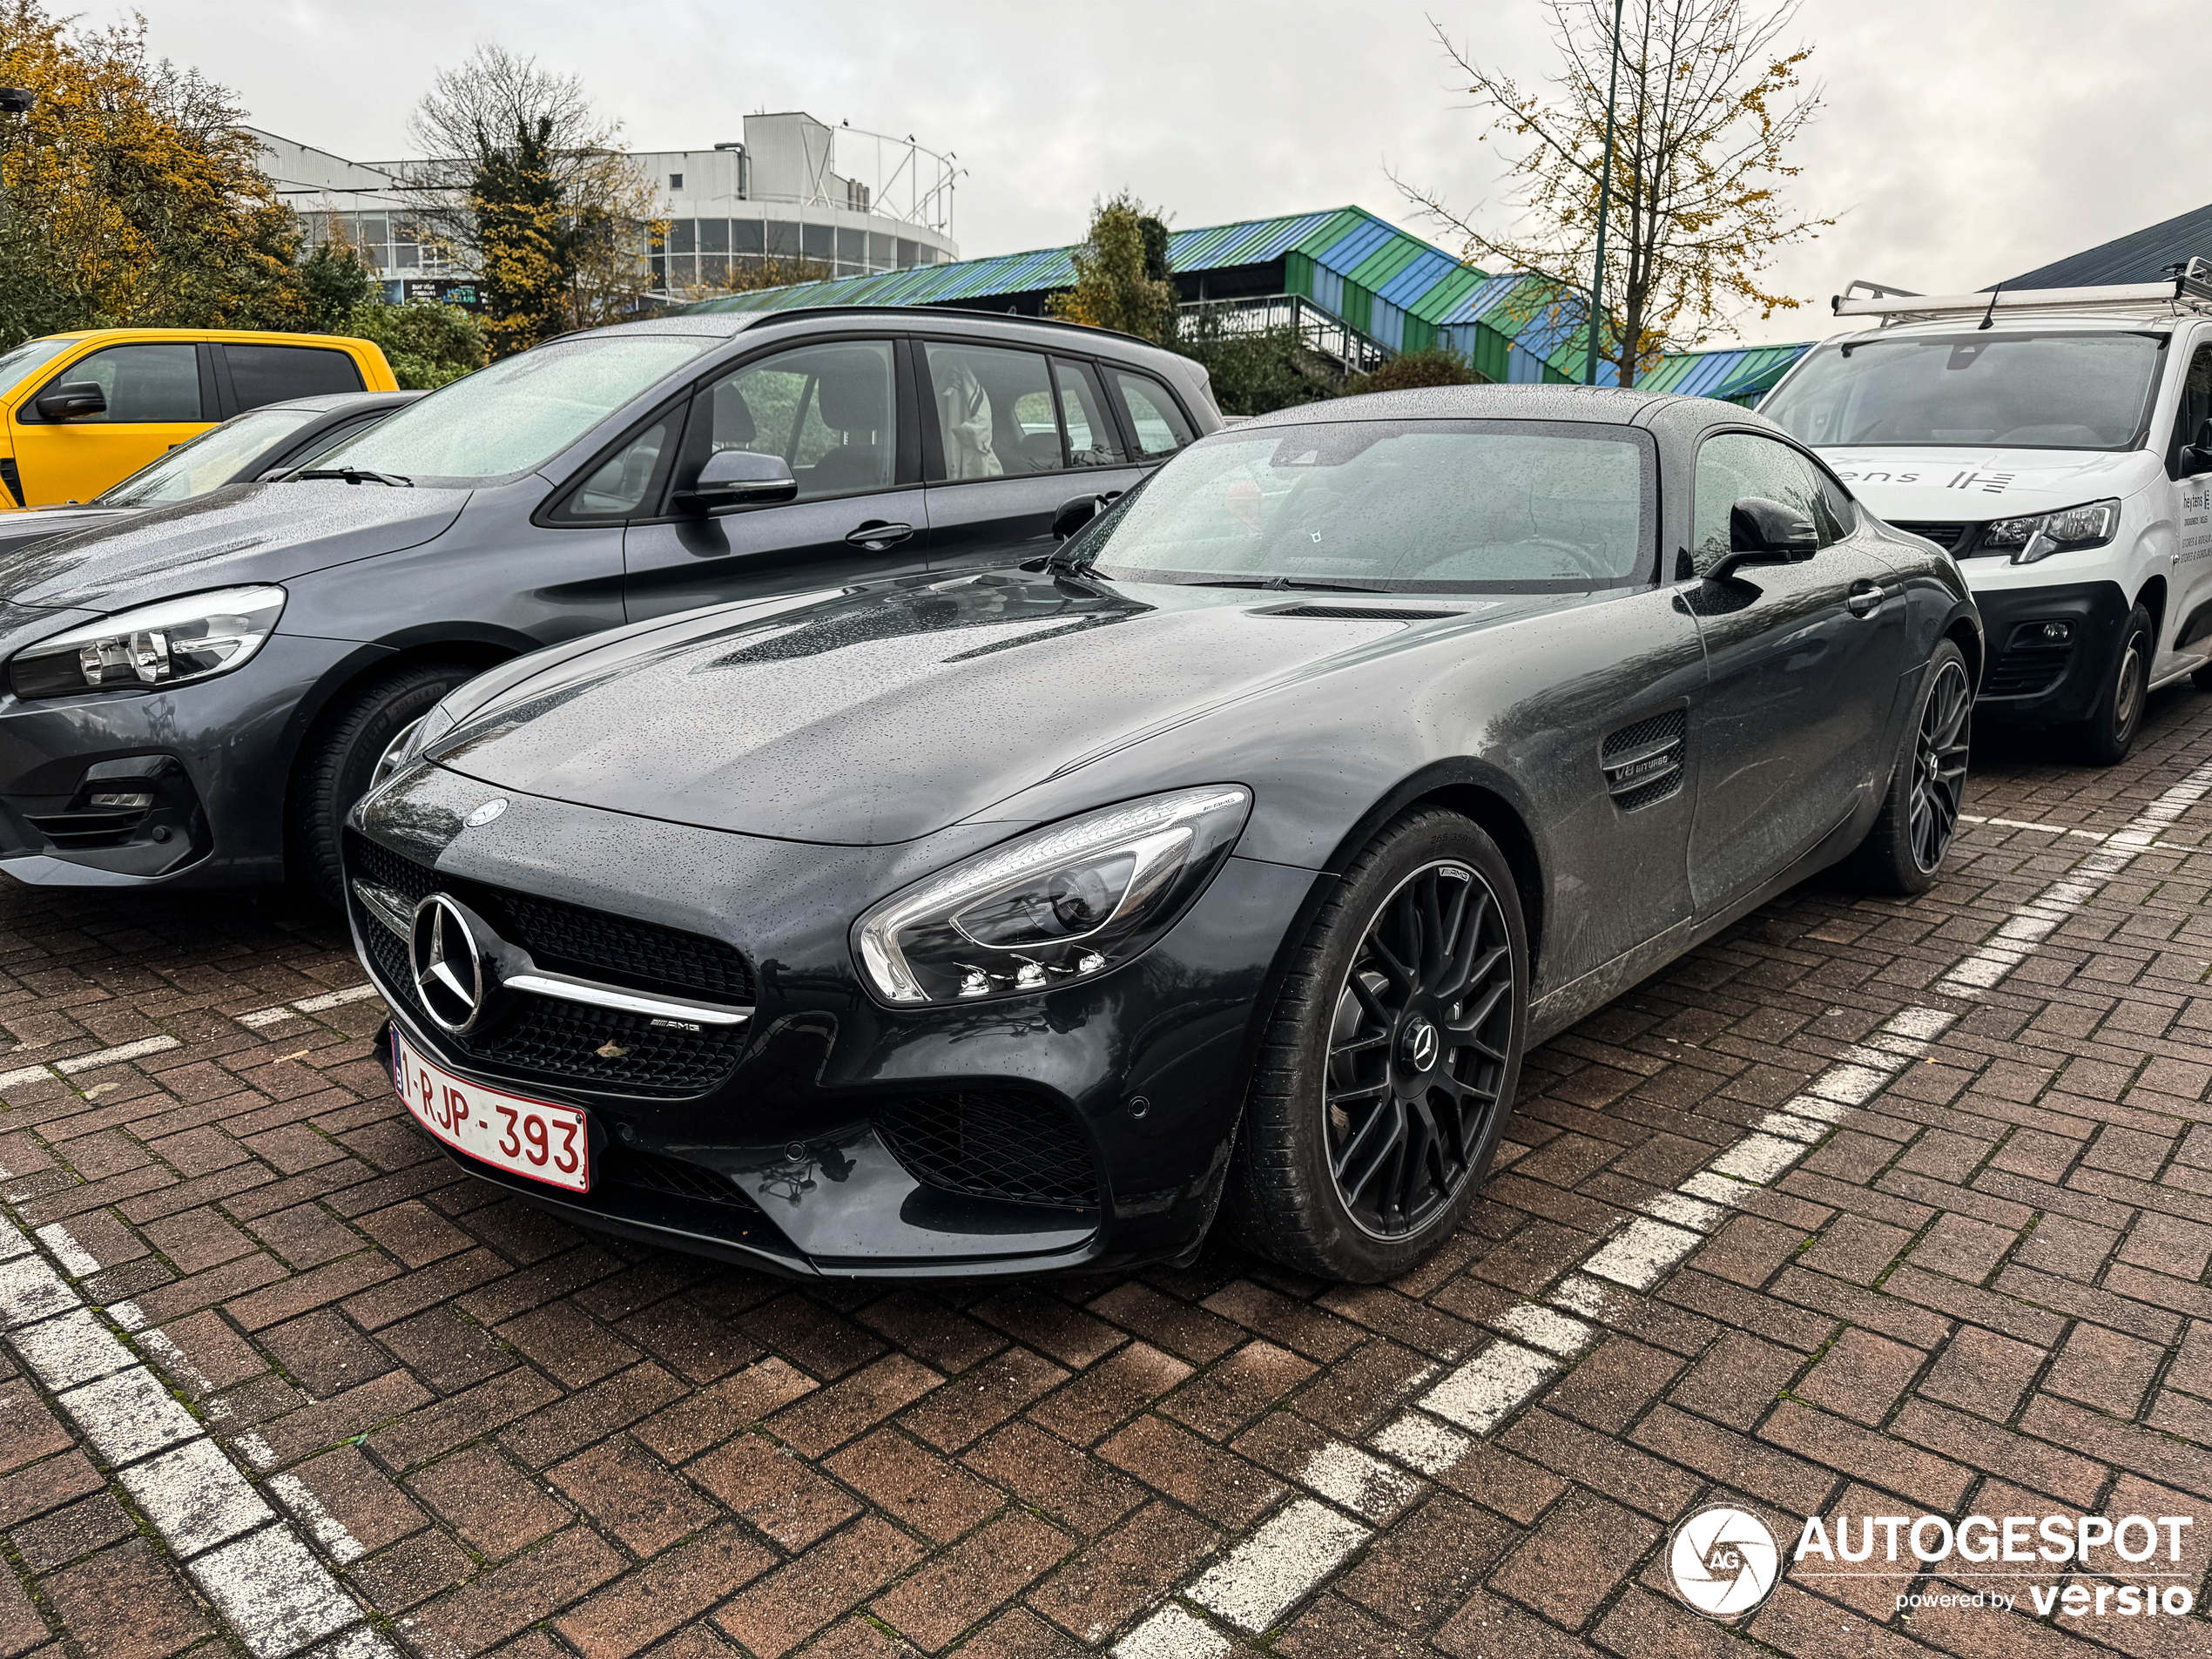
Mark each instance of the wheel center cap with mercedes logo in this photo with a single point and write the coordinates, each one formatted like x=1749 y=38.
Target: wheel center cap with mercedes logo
x=1419 y=1045
x=449 y=972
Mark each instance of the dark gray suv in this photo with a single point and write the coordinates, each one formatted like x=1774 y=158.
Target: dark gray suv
x=196 y=696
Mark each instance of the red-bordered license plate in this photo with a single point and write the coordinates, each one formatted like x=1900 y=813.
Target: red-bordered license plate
x=533 y=1138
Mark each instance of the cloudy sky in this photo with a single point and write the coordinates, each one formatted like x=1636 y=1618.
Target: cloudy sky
x=1963 y=141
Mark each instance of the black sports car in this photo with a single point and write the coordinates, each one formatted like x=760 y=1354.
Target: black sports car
x=1229 y=859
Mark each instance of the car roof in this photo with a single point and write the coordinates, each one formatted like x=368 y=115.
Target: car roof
x=1609 y=404
x=338 y=402
x=730 y=324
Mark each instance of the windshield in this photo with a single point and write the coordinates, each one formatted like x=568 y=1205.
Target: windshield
x=516 y=414
x=2020 y=391
x=210 y=460
x=1388 y=506
x=19 y=362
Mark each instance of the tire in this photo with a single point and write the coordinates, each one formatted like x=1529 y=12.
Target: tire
x=340 y=756
x=2107 y=736
x=1413 y=1148
x=1927 y=787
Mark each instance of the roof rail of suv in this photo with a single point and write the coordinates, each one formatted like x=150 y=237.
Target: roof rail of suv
x=2186 y=290
x=953 y=311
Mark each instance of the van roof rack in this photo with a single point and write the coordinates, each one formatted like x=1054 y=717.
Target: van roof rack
x=2186 y=289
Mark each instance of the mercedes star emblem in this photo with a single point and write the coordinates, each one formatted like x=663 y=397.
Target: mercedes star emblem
x=448 y=965
x=1421 y=1045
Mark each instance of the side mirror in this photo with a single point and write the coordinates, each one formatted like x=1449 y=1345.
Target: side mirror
x=1761 y=531
x=2196 y=455
x=1073 y=515
x=72 y=401
x=738 y=478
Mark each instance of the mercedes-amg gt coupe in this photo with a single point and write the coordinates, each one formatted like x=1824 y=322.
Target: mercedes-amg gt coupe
x=1221 y=865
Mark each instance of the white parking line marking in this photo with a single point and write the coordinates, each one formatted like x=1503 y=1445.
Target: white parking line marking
x=1482 y=1392
x=91 y=1061
x=275 y=1595
x=329 y=1000
x=1366 y=1485
x=307 y=1508
x=1991 y=963
x=1172 y=1633
x=1295 y=1549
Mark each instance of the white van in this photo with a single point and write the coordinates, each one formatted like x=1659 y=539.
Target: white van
x=2058 y=443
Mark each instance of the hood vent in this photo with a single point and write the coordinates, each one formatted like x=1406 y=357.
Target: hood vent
x=1643 y=763
x=1361 y=613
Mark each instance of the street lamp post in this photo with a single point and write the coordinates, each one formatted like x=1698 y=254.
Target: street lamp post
x=1604 y=202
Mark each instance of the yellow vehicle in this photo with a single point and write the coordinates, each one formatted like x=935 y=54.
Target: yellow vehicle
x=82 y=410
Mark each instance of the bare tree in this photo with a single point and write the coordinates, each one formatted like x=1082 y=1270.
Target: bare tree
x=1709 y=103
x=526 y=185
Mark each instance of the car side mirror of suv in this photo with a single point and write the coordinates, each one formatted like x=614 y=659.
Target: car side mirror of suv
x=71 y=401
x=2196 y=455
x=1762 y=531
x=1073 y=515
x=738 y=478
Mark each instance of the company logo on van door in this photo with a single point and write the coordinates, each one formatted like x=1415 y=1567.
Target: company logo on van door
x=1987 y=483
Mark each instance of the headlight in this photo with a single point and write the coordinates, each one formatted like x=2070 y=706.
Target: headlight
x=2064 y=531
x=158 y=644
x=1062 y=904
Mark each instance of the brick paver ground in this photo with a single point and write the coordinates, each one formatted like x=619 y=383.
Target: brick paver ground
x=1984 y=1292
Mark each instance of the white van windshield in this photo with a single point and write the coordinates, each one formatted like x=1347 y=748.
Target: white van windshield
x=2017 y=391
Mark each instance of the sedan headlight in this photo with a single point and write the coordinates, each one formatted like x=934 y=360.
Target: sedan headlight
x=2064 y=531
x=1059 y=905
x=168 y=644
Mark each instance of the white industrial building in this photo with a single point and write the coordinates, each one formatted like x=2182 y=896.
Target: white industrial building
x=794 y=188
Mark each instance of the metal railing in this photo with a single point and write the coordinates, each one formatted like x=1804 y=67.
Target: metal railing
x=1322 y=331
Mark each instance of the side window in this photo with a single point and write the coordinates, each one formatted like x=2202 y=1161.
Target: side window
x=271 y=373
x=828 y=410
x=1090 y=435
x=2196 y=398
x=993 y=411
x=618 y=485
x=1735 y=464
x=1153 y=414
x=143 y=383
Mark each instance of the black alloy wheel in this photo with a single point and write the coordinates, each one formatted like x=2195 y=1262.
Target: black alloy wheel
x=1940 y=765
x=1418 y=1049
x=1388 y=1059
x=1918 y=816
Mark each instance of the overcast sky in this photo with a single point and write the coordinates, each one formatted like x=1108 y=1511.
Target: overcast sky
x=1964 y=141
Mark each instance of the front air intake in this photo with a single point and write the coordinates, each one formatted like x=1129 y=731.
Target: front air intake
x=990 y=1143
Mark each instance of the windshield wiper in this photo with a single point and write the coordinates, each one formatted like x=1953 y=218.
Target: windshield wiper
x=1283 y=583
x=358 y=475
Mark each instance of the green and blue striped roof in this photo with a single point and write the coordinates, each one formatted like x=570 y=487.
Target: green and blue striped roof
x=1401 y=291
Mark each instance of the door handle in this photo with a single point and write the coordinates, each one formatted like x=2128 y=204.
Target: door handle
x=1866 y=598
x=876 y=535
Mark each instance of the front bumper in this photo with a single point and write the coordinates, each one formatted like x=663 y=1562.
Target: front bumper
x=210 y=757
x=2032 y=679
x=843 y=1138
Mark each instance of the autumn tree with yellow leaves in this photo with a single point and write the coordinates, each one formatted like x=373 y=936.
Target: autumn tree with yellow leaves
x=1122 y=276
x=1709 y=103
x=528 y=190
x=129 y=194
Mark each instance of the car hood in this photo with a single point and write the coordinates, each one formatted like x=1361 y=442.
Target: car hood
x=20 y=530
x=1965 y=484
x=890 y=711
x=240 y=533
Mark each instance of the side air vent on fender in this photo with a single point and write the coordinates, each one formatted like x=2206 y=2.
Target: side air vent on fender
x=1643 y=762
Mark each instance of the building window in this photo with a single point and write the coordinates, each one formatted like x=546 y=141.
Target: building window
x=820 y=243
x=676 y=181
x=714 y=236
x=746 y=236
